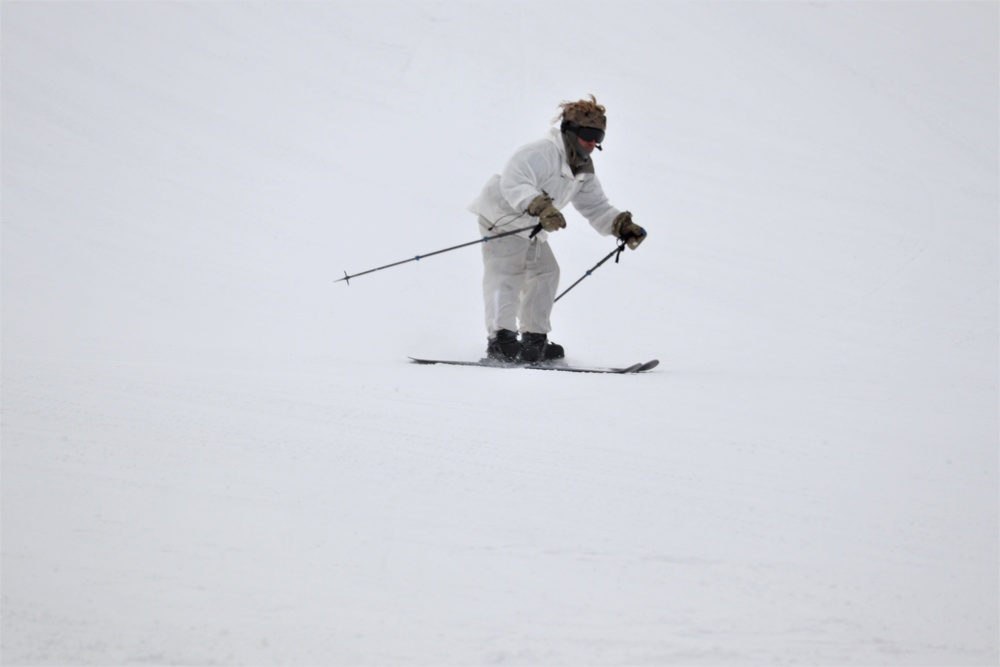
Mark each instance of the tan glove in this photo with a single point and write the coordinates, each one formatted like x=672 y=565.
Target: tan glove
x=548 y=215
x=628 y=231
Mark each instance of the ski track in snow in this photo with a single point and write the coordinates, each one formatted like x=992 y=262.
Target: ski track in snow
x=215 y=454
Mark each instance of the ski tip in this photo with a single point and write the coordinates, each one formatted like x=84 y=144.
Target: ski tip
x=650 y=365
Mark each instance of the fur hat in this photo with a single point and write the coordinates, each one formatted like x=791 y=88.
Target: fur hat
x=585 y=113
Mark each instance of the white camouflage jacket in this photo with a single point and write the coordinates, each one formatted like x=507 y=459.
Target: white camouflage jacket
x=541 y=165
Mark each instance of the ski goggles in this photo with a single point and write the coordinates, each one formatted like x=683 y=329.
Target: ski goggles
x=589 y=133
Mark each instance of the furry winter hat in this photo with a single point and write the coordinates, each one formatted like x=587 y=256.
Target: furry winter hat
x=585 y=113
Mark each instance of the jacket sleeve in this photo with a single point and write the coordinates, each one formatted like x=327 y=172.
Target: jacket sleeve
x=592 y=204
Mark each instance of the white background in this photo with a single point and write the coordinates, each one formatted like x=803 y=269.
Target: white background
x=215 y=454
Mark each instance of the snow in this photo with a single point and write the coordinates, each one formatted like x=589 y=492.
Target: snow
x=212 y=453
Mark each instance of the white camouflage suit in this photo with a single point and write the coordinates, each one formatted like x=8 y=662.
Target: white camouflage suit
x=521 y=276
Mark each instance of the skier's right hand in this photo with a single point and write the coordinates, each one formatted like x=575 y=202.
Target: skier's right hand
x=548 y=215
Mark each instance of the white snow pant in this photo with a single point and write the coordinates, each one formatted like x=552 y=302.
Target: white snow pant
x=520 y=279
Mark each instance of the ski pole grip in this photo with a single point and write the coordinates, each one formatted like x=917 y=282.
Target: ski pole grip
x=535 y=231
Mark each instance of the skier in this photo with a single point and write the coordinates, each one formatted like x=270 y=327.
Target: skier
x=520 y=273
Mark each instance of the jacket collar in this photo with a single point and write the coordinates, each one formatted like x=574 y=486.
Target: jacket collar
x=555 y=136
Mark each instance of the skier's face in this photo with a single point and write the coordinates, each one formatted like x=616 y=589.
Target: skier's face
x=588 y=146
x=589 y=137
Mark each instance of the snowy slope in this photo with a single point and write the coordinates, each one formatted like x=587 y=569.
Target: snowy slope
x=212 y=453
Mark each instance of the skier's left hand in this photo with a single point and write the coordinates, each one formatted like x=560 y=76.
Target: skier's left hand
x=628 y=231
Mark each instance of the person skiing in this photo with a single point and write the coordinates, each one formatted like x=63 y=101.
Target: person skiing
x=520 y=272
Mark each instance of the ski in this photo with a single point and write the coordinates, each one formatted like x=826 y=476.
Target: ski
x=544 y=366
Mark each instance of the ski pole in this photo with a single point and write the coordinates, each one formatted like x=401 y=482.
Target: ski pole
x=617 y=251
x=534 y=230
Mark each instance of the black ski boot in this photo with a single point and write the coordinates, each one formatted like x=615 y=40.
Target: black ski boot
x=503 y=347
x=536 y=347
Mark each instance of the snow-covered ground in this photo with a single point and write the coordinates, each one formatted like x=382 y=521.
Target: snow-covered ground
x=212 y=453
